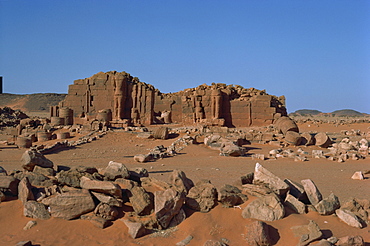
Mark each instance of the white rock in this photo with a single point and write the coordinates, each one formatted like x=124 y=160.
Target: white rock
x=358 y=175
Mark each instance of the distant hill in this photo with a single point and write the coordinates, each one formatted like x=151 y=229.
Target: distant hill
x=336 y=113
x=347 y=112
x=31 y=102
x=307 y=112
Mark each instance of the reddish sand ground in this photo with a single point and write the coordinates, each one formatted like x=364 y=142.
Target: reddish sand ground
x=198 y=162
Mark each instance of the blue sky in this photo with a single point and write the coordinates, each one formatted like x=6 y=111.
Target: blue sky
x=316 y=53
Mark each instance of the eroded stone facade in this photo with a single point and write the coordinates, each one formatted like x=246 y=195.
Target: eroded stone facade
x=139 y=103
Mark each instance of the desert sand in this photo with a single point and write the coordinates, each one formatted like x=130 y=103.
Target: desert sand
x=198 y=162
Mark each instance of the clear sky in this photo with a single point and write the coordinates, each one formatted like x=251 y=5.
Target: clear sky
x=316 y=53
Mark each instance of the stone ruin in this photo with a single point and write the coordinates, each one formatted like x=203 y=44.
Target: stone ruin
x=10 y=117
x=122 y=100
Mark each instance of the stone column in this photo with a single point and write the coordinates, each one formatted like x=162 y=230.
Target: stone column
x=119 y=83
x=216 y=103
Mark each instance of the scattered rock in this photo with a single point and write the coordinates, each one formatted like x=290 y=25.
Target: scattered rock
x=263 y=176
x=135 y=229
x=161 y=133
x=35 y=210
x=247 y=179
x=296 y=190
x=328 y=205
x=96 y=220
x=180 y=181
x=140 y=200
x=231 y=149
x=138 y=173
x=258 y=157
x=106 y=211
x=202 y=197
x=256 y=190
x=186 y=241
x=46 y=171
x=258 y=234
x=307 y=233
x=70 y=178
x=24 y=243
x=294 y=204
x=167 y=204
x=230 y=196
x=332 y=240
x=267 y=208
x=24 y=191
x=3 y=171
x=70 y=205
x=358 y=175
x=116 y=170
x=107 y=199
x=360 y=207
x=213 y=243
x=106 y=187
x=318 y=154
x=351 y=241
x=349 y=218
x=313 y=193
x=29 y=225
x=36 y=179
x=9 y=184
x=323 y=242
x=178 y=218
x=2 y=196
x=32 y=158
x=148 y=182
x=143 y=158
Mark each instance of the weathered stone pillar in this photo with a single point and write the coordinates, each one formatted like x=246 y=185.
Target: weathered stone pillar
x=119 y=83
x=216 y=103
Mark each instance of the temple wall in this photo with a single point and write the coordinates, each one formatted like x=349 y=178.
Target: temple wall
x=140 y=103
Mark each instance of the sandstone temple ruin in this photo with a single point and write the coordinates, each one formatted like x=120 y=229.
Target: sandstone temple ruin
x=120 y=98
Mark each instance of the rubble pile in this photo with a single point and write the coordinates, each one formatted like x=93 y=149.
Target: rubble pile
x=160 y=152
x=334 y=121
x=152 y=205
x=349 y=145
x=10 y=117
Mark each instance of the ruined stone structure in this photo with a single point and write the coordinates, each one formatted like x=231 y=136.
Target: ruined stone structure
x=138 y=103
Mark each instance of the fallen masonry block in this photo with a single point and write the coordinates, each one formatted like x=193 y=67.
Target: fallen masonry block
x=262 y=175
x=266 y=208
x=307 y=233
x=135 y=229
x=313 y=193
